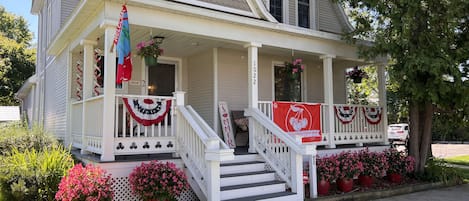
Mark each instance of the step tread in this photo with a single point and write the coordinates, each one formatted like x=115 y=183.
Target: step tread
x=265 y=183
x=265 y=196
x=246 y=173
x=242 y=163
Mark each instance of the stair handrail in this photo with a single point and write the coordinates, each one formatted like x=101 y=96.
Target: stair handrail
x=201 y=152
x=274 y=145
x=209 y=131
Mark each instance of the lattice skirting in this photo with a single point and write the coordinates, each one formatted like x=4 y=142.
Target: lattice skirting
x=122 y=191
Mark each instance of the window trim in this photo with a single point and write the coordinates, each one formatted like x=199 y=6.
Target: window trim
x=303 y=83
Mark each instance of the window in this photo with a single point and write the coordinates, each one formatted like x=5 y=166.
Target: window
x=286 y=89
x=303 y=13
x=276 y=9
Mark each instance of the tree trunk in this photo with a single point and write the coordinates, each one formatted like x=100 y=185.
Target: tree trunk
x=414 y=145
x=421 y=115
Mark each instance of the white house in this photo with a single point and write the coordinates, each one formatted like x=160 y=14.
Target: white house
x=214 y=51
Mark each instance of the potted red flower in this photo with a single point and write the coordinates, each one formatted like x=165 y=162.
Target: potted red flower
x=158 y=181
x=399 y=165
x=374 y=166
x=350 y=166
x=328 y=171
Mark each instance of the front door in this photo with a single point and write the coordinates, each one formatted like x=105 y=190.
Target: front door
x=161 y=79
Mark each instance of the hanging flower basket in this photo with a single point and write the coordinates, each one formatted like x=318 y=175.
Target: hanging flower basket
x=356 y=74
x=150 y=61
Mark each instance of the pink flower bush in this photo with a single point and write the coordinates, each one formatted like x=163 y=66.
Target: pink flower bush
x=350 y=165
x=398 y=162
x=90 y=183
x=158 y=181
x=374 y=164
x=327 y=168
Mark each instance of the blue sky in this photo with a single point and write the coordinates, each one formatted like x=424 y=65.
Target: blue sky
x=22 y=8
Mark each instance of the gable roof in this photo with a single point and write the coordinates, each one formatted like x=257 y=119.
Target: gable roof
x=9 y=113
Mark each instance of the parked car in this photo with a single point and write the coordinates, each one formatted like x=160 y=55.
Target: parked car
x=398 y=132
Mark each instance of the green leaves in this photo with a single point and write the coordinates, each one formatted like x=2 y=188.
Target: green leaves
x=17 y=58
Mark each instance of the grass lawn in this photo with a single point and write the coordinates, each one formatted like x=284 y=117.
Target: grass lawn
x=461 y=160
x=465 y=174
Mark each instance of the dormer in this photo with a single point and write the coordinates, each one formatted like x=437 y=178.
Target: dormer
x=320 y=15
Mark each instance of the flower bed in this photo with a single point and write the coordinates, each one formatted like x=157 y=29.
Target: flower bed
x=348 y=166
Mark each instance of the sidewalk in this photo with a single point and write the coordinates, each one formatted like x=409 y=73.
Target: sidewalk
x=454 y=193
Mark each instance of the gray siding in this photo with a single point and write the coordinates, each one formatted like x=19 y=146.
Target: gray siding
x=55 y=101
x=329 y=17
x=233 y=78
x=292 y=12
x=200 y=77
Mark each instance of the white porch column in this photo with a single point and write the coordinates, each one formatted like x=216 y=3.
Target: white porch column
x=253 y=87
x=313 y=180
x=329 y=96
x=383 y=99
x=88 y=57
x=109 y=91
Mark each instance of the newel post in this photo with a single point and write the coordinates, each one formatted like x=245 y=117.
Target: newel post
x=297 y=170
x=212 y=158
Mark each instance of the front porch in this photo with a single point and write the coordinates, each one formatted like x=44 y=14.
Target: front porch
x=231 y=65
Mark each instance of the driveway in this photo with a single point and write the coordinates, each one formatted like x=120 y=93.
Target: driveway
x=455 y=193
x=444 y=150
x=450 y=150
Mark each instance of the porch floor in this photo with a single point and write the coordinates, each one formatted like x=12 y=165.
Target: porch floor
x=126 y=158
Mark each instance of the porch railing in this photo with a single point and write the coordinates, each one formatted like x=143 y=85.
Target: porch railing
x=281 y=151
x=87 y=121
x=202 y=151
x=359 y=130
x=132 y=137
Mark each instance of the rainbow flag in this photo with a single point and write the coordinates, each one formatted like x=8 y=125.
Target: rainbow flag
x=122 y=40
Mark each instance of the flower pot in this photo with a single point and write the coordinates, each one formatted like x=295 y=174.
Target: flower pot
x=395 y=177
x=150 y=61
x=323 y=187
x=357 y=80
x=345 y=184
x=365 y=180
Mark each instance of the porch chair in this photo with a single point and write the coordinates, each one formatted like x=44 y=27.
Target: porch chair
x=241 y=130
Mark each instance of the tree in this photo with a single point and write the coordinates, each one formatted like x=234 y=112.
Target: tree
x=428 y=43
x=17 y=58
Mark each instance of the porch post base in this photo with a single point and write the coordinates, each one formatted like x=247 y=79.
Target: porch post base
x=359 y=144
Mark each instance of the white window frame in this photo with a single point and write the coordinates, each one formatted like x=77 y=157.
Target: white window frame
x=303 y=80
x=163 y=60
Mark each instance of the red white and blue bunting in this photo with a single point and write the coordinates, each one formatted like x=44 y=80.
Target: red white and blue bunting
x=345 y=114
x=147 y=111
x=373 y=114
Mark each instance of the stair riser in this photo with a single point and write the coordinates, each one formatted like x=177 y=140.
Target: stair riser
x=242 y=168
x=231 y=181
x=258 y=190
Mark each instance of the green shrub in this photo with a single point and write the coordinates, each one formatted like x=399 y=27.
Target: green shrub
x=20 y=137
x=33 y=175
x=438 y=171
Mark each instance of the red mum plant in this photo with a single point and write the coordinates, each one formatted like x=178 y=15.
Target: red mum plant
x=327 y=168
x=399 y=163
x=158 y=181
x=350 y=165
x=89 y=183
x=374 y=164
